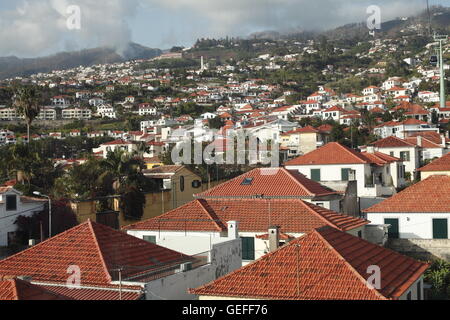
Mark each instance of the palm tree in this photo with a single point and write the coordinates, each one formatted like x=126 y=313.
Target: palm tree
x=27 y=100
x=124 y=171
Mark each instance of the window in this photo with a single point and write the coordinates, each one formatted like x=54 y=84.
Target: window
x=248 y=248
x=360 y=234
x=440 y=229
x=196 y=184
x=182 y=183
x=405 y=156
x=247 y=182
x=11 y=203
x=315 y=174
x=320 y=204
x=151 y=239
x=401 y=171
x=409 y=296
x=392 y=153
x=394 y=229
x=345 y=173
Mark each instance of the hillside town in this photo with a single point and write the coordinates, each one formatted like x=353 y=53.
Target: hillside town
x=304 y=168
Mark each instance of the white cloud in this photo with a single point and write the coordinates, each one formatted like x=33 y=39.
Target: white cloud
x=38 y=27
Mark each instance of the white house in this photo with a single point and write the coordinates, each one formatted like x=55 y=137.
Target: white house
x=47 y=113
x=209 y=221
x=421 y=211
x=117 y=266
x=391 y=82
x=404 y=129
x=94 y=102
x=60 y=101
x=372 y=90
x=77 y=113
x=334 y=165
x=399 y=148
x=271 y=130
x=147 y=109
x=208 y=115
x=326 y=264
x=12 y=205
x=107 y=147
x=106 y=111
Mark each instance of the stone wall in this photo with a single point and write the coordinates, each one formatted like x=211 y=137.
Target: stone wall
x=422 y=249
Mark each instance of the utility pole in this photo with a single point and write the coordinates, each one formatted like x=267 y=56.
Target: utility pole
x=49 y=211
x=441 y=39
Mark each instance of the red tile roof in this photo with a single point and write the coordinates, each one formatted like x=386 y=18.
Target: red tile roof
x=379 y=158
x=425 y=143
x=324 y=265
x=307 y=129
x=97 y=250
x=331 y=153
x=117 y=142
x=441 y=164
x=163 y=170
x=430 y=135
x=15 y=289
x=392 y=142
x=253 y=215
x=94 y=294
x=431 y=195
x=270 y=182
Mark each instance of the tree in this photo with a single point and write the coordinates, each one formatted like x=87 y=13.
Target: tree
x=27 y=100
x=36 y=226
x=434 y=117
x=216 y=123
x=438 y=275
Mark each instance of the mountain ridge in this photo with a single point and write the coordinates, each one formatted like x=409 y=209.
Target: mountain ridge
x=13 y=66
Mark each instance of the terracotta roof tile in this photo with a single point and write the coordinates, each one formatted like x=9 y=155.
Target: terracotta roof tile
x=270 y=182
x=380 y=158
x=98 y=251
x=430 y=195
x=324 y=265
x=93 y=294
x=331 y=153
x=425 y=143
x=253 y=215
x=15 y=289
x=392 y=142
x=441 y=164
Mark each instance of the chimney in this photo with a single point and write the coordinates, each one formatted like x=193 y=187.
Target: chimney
x=31 y=242
x=233 y=229
x=419 y=141
x=274 y=238
x=370 y=149
x=444 y=141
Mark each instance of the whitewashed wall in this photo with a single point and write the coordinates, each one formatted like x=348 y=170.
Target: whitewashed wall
x=411 y=225
x=225 y=257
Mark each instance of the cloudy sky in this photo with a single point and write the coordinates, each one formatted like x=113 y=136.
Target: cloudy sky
x=30 y=28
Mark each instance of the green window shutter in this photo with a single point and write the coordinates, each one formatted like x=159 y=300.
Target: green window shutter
x=248 y=248
x=315 y=174
x=151 y=239
x=440 y=229
x=345 y=174
x=393 y=231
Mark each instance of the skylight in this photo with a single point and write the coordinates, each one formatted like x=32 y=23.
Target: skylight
x=247 y=182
